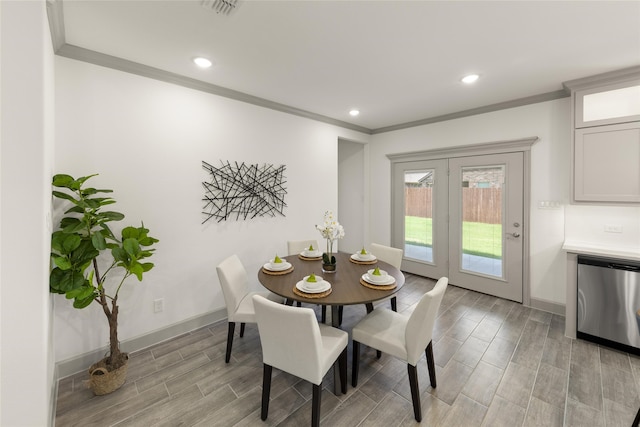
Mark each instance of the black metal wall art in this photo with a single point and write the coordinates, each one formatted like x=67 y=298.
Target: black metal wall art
x=244 y=191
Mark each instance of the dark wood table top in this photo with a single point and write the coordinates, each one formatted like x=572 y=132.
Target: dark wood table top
x=345 y=282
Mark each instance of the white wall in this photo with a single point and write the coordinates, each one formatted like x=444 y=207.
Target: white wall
x=352 y=195
x=147 y=140
x=26 y=107
x=550 y=176
x=586 y=224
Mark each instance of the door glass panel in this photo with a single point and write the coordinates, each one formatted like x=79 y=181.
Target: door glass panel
x=418 y=214
x=482 y=237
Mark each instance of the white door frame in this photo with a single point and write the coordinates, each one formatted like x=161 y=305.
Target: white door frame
x=518 y=145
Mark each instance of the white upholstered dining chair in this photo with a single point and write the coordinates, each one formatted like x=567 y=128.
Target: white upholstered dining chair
x=234 y=282
x=404 y=337
x=294 y=247
x=294 y=342
x=392 y=256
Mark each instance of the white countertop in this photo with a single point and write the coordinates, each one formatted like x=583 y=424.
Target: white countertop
x=600 y=250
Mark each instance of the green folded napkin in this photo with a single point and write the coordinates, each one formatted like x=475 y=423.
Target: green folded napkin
x=277 y=260
x=311 y=248
x=376 y=272
x=363 y=252
x=312 y=278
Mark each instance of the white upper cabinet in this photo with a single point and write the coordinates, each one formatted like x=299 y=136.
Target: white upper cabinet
x=606 y=138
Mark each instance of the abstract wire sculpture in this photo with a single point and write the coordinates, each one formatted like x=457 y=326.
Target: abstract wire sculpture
x=242 y=190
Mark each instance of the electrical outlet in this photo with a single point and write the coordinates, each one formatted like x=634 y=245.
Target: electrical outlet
x=612 y=228
x=158 y=305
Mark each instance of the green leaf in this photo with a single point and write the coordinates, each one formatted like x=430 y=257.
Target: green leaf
x=98 y=241
x=137 y=269
x=62 y=262
x=72 y=225
x=111 y=216
x=92 y=203
x=81 y=293
x=62 y=180
x=70 y=243
x=130 y=233
x=102 y=201
x=146 y=266
x=148 y=241
x=61 y=195
x=64 y=281
x=82 y=303
x=57 y=237
x=145 y=254
x=83 y=179
x=131 y=246
x=119 y=254
x=84 y=254
x=106 y=232
x=75 y=209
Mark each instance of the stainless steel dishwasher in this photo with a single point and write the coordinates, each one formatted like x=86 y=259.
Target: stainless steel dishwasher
x=608 y=300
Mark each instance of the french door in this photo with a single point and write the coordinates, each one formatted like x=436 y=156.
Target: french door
x=462 y=217
x=421 y=224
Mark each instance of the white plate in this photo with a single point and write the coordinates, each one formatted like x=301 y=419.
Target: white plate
x=387 y=280
x=311 y=254
x=359 y=257
x=284 y=265
x=322 y=286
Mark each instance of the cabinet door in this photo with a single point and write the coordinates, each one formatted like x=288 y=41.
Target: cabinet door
x=607 y=163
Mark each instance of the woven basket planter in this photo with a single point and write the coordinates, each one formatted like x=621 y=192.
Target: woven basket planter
x=102 y=381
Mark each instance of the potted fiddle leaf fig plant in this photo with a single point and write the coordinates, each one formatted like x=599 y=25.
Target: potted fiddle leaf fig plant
x=85 y=253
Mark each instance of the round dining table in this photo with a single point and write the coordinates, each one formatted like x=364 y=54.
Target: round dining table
x=347 y=285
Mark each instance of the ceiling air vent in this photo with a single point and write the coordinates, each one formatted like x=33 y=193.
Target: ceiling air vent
x=224 y=7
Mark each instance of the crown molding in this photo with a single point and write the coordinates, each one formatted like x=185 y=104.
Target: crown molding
x=55 y=15
x=549 y=96
x=610 y=77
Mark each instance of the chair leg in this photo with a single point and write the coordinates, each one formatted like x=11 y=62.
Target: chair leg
x=232 y=327
x=342 y=365
x=415 y=391
x=266 y=390
x=394 y=304
x=431 y=364
x=315 y=406
x=299 y=304
x=242 y=329
x=340 y=309
x=636 y=421
x=324 y=314
x=354 y=363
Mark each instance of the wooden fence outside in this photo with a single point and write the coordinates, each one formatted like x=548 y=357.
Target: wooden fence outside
x=479 y=204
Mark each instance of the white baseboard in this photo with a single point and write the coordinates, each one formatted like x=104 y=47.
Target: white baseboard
x=79 y=363
x=550 y=306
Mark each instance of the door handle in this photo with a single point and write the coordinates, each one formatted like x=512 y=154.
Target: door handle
x=515 y=234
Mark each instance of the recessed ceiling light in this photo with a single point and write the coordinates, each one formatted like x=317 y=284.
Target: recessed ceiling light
x=202 y=62
x=354 y=112
x=471 y=78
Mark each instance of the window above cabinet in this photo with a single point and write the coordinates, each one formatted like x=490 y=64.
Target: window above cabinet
x=619 y=103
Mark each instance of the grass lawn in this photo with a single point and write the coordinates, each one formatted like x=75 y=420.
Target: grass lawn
x=477 y=238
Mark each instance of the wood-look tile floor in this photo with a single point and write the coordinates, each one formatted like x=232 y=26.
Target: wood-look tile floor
x=498 y=363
